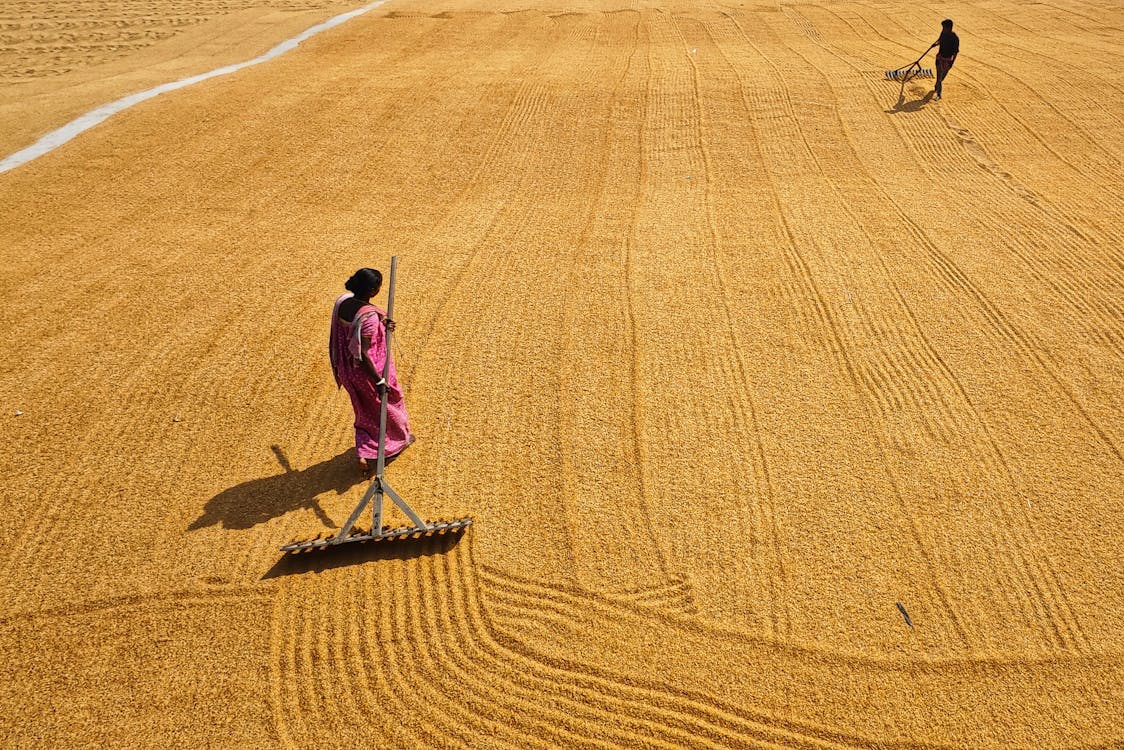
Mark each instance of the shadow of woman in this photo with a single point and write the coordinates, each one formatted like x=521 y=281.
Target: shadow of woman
x=259 y=500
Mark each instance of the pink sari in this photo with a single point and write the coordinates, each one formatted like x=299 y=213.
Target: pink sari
x=344 y=349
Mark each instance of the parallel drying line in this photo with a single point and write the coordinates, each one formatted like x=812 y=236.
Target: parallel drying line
x=425 y=699
x=952 y=379
x=772 y=574
x=1106 y=173
x=526 y=106
x=810 y=291
x=389 y=128
x=1084 y=29
x=1002 y=325
x=747 y=406
x=423 y=675
x=930 y=355
x=661 y=144
x=455 y=652
x=506 y=689
x=58 y=137
x=322 y=674
x=1107 y=167
x=491 y=259
x=1073 y=294
x=633 y=519
x=38 y=543
x=524 y=116
x=1052 y=43
x=892 y=371
x=383 y=659
x=278 y=674
x=1056 y=592
x=919 y=363
x=524 y=103
x=420 y=616
x=495 y=710
x=309 y=693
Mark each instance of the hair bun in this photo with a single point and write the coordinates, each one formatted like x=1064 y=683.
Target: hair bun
x=364 y=282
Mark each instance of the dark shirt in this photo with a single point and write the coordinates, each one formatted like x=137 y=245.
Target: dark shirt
x=949 y=44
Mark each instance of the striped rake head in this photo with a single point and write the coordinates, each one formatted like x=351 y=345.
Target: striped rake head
x=906 y=74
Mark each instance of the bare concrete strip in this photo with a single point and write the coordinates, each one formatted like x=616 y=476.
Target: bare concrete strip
x=59 y=136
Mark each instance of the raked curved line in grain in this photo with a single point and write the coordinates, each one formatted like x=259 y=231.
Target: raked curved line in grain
x=82 y=123
x=456 y=650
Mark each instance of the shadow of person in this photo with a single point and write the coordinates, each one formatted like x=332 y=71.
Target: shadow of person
x=911 y=106
x=258 y=500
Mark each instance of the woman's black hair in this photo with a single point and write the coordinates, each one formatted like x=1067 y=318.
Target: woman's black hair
x=364 y=282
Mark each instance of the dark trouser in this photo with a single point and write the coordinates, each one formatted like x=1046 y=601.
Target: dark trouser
x=944 y=64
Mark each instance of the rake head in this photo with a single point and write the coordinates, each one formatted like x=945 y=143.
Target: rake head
x=905 y=74
x=388 y=534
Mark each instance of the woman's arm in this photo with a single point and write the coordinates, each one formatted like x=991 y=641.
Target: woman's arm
x=368 y=365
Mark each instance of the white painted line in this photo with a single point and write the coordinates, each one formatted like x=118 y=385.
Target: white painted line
x=56 y=138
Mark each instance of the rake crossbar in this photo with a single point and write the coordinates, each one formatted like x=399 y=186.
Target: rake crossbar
x=904 y=74
x=913 y=70
x=438 y=528
x=379 y=486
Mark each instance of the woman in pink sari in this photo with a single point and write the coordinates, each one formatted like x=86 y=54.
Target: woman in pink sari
x=357 y=349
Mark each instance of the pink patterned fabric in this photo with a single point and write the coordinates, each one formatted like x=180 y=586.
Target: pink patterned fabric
x=343 y=345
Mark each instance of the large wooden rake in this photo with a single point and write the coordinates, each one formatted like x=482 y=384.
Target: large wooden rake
x=379 y=486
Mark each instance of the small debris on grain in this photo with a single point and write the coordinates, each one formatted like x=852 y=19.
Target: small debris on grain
x=905 y=614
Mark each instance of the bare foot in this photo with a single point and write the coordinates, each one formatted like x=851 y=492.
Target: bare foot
x=364 y=467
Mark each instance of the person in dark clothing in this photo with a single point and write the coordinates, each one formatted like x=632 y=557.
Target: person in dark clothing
x=948 y=47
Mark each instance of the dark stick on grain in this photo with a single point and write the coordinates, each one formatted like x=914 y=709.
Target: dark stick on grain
x=905 y=614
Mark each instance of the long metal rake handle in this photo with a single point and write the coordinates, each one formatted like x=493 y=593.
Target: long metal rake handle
x=380 y=464
x=375 y=491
